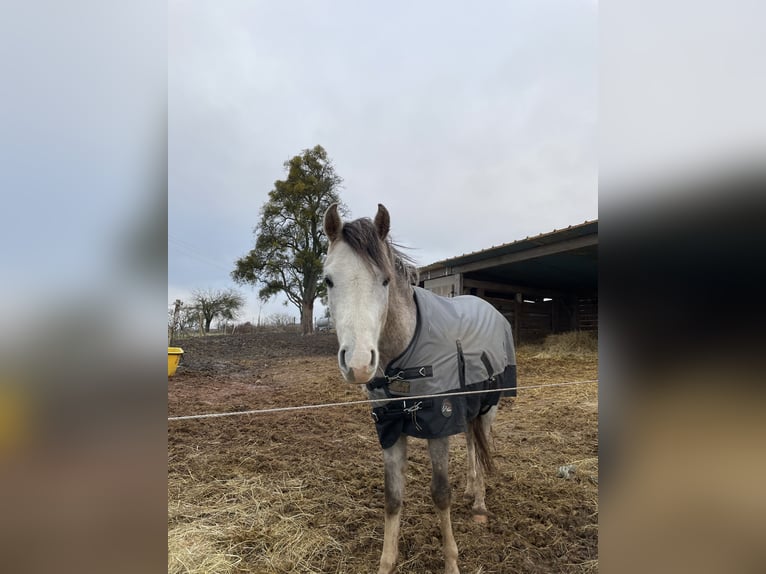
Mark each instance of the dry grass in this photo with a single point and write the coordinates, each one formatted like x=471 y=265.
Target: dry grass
x=573 y=343
x=294 y=494
x=195 y=548
x=215 y=526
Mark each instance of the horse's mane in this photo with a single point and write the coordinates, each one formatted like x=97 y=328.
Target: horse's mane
x=363 y=239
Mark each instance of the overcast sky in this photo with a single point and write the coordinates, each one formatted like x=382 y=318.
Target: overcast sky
x=474 y=123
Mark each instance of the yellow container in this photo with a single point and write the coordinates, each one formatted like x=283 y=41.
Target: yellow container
x=174 y=356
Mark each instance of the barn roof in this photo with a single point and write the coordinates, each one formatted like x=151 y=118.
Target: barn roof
x=563 y=260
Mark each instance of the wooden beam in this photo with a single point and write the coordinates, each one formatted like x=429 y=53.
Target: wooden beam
x=509 y=288
x=540 y=251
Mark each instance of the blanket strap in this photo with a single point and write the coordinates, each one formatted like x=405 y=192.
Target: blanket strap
x=401 y=375
x=391 y=411
x=460 y=363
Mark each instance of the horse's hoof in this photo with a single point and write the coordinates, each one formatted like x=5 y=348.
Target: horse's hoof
x=480 y=518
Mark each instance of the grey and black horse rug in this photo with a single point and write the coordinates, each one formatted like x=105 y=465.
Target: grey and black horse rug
x=460 y=344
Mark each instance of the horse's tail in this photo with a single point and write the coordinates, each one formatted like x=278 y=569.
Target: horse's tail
x=481 y=442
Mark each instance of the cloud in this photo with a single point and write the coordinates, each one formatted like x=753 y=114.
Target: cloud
x=475 y=125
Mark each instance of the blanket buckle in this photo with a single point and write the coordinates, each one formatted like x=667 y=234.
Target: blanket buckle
x=412 y=410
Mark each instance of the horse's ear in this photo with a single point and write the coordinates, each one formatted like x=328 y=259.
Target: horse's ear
x=332 y=222
x=382 y=221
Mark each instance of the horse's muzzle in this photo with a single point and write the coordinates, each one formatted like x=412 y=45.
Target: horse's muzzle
x=351 y=369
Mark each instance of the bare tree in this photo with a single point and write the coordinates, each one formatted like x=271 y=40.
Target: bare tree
x=211 y=304
x=189 y=319
x=174 y=320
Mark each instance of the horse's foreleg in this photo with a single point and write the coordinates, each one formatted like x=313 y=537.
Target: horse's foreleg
x=441 y=494
x=479 y=509
x=395 y=460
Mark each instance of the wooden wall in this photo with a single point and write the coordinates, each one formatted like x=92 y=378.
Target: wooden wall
x=533 y=320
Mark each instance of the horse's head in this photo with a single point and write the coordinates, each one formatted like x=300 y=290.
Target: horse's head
x=358 y=270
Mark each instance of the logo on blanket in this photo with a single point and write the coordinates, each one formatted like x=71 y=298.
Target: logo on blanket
x=447 y=408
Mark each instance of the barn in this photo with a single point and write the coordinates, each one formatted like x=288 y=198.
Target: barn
x=544 y=284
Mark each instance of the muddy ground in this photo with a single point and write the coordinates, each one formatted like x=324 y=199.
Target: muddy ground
x=302 y=491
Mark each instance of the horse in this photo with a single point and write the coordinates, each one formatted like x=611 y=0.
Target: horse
x=421 y=344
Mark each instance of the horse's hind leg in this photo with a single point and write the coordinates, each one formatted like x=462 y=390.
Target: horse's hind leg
x=438 y=449
x=395 y=461
x=470 y=479
x=475 y=487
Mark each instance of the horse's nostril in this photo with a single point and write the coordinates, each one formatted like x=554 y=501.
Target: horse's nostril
x=342 y=359
x=372 y=358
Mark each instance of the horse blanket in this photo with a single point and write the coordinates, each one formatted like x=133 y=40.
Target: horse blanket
x=460 y=344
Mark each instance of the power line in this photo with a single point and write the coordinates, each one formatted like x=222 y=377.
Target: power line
x=365 y=401
x=191 y=251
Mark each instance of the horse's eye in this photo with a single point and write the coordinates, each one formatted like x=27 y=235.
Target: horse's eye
x=386 y=281
x=328 y=282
